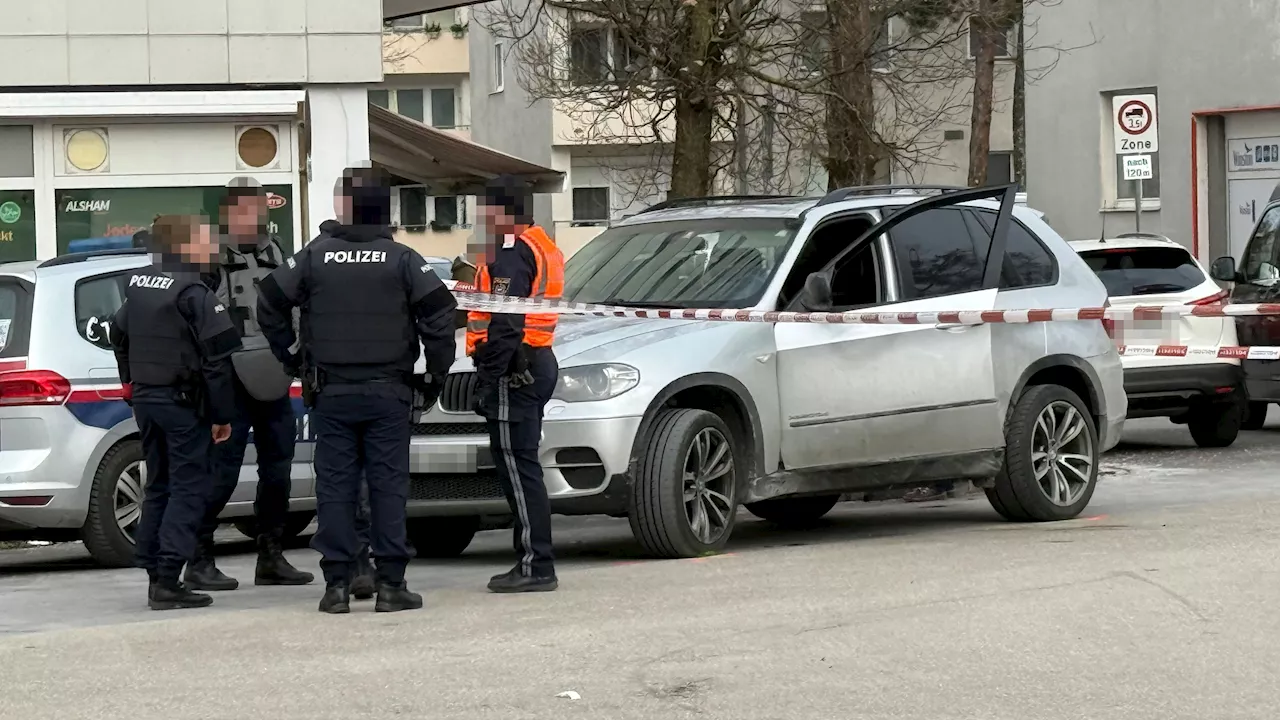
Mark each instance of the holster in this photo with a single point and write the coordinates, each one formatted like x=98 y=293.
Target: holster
x=312 y=383
x=193 y=395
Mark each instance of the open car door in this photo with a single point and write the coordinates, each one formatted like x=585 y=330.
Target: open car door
x=858 y=395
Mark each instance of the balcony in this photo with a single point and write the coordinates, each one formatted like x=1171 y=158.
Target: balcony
x=419 y=52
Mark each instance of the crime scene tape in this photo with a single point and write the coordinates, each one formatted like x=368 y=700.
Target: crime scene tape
x=1231 y=352
x=470 y=299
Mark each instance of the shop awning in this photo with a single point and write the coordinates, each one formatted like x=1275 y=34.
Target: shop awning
x=445 y=163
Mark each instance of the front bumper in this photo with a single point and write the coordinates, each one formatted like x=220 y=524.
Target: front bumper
x=1172 y=390
x=584 y=464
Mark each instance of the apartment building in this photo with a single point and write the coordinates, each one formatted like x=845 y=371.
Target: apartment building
x=611 y=172
x=427 y=77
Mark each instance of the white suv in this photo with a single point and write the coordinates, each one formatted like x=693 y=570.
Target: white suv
x=1205 y=392
x=676 y=423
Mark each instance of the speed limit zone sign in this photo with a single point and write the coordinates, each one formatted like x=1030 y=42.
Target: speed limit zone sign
x=1135 y=124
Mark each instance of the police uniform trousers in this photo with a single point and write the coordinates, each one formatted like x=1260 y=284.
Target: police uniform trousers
x=275 y=429
x=515 y=431
x=361 y=433
x=177 y=443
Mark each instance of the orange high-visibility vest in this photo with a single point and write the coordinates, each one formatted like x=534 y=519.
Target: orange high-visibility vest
x=548 y=284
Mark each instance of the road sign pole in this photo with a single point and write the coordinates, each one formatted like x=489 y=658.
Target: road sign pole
x=1137 y=205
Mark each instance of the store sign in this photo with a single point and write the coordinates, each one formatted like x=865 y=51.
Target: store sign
x=105 y=218
x=1254 y=154
x=17 y=225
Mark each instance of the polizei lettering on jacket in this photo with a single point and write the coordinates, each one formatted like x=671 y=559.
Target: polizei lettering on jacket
x=355 y=256
x=155 y=282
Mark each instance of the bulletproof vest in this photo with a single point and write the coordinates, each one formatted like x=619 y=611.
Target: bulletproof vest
x=357 y=309
x=162 y=344
x=256 y=366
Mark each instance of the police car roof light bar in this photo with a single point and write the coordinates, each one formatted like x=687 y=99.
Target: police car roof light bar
x=845 y=193
x=712 y=200
x=71 y=258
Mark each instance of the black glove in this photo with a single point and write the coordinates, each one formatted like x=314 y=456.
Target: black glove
x=293 y=365
x=426 y=391
x=520 y=375
x=477 y=401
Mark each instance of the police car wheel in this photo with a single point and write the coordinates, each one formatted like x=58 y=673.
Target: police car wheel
x=294 y=525
x=793 y=511
x=684 y=492
x=115 y=505
x=442 y=537
x=1051 y=457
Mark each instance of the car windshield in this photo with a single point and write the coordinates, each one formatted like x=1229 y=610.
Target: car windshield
x=1144 y=270
x=714 y=263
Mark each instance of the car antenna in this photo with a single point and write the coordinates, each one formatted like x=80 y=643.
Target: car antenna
x=1102 y=237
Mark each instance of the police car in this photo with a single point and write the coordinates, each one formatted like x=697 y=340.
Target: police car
x=71 y=464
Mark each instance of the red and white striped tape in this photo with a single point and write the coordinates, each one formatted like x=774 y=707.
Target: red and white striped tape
x=483 y=302
x=1224 y=352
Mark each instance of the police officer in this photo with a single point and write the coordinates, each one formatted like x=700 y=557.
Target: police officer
x=263 y=404
x=173 y=342
x=366 y=301
x=517 y=372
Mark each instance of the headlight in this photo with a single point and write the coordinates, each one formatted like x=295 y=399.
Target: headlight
x=595 y=382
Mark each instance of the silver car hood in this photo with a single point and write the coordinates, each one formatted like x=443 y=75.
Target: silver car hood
x=577 y=334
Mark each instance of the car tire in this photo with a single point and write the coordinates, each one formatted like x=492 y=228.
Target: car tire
x=106 y=541
x=793 y=511
x=1217 y=425
x=294 y=525
x=1021 y=492
x=1256 y=416
x=663 y=522
x=442 y=537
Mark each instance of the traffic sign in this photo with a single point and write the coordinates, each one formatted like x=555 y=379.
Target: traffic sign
x=1135 y=124
x=1137 y=167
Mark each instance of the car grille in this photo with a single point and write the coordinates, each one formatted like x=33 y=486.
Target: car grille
x=483 y=486
x=458 y=391
x=444 y=429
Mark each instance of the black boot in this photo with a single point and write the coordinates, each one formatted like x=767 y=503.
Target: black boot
x=336 y=600
x=364 y=586
x=174 y=596
x=512 y=581
x=203 y=574
x=394 y=598
x=273 y=569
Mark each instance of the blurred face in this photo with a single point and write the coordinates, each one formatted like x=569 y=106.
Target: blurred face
x=202 y=248
x=342 y=206
x=246 y=216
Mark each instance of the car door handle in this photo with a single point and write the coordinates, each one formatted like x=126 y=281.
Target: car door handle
x=953 y=327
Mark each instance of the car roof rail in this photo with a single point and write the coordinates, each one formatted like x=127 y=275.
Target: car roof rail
x=845 y=193
x=77 y=257
x=712 y=200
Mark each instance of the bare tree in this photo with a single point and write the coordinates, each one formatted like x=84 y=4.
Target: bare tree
x=1020 y=95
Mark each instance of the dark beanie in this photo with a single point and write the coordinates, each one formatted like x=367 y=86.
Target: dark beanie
x=513 y=196
x=370 y=194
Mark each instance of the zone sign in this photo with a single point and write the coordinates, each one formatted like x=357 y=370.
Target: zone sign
x=1135 y=124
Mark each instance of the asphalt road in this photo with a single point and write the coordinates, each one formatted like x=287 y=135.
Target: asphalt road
x=1159 y=603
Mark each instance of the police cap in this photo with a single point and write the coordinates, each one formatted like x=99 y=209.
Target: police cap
x=512 y=195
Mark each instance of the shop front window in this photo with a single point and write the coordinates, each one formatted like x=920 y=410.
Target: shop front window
x=107 y=218
x=17 y=225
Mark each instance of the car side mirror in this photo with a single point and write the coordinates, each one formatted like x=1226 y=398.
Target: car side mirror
x=1223 y=269
x=816 y=295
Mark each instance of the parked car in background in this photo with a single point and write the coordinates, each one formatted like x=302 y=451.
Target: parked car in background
x=1206 y=394
x=1257 y=280
x=675 y=424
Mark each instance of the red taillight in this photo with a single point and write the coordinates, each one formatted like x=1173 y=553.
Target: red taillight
x=1109 y=325
x=33 y=387
x=1214 y=299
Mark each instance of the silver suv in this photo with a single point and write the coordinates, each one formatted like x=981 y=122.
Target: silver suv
x=676 y=423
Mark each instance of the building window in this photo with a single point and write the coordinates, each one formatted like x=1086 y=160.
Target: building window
x=590 y=206
x=1005 y=41
x=381 y=98
x=17 y=226
x=409 y=104
x=815 y=43
x=416 y=211
x=443 y=106
x=446 y=211
x=498 y=78
x=599 y=54
x=999 y=168
x=413 y=208
x=418 y=23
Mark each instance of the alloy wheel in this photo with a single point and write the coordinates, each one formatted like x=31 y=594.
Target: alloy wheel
x=1062 y=453
x=129 y=493
x=709 y=485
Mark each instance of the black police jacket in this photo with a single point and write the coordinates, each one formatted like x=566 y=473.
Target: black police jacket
x=171 y=332
x=366 y=301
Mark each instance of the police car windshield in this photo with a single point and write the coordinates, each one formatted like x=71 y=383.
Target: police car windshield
x=716 y=263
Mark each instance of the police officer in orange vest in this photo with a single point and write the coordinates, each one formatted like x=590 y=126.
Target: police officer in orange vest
x=517 y=371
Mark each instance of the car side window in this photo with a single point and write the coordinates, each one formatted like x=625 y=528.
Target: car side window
x=1259 y=265
x=936 y=254
x=97 y=299
x=1027 y=262
x=855 y=279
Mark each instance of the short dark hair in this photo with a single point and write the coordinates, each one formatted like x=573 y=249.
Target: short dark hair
x=170 y=231
x=512 y=195
x=370 y=191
